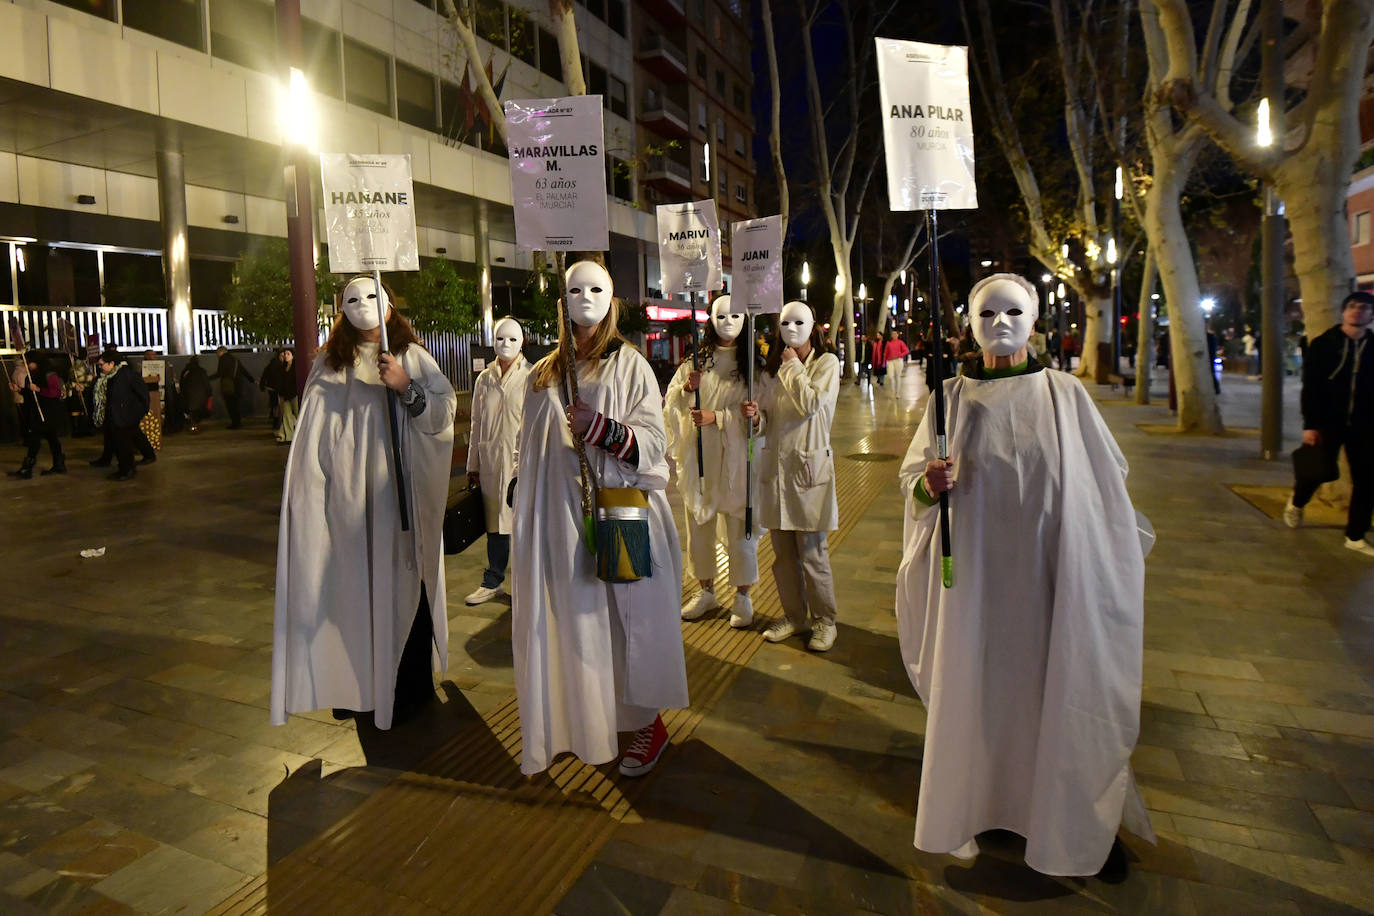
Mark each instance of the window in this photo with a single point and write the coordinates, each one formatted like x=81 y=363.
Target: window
x=720 y=129
x=368 y=77
x=740 y=104
x=490 y=22
x=6 y=278
x=620 y=97
x=724 y=182
x=596 y=7
x=550 y=60
x=741 y=194
x=618 y=180
x=701 y=63
x=1359 y=234
x=596 y=81
x=615 y=16
x=460 y=108
x=415 y=96
x=523 y=38
x=720 y=83
x=322 y=67
x=701 y=117
x=244 y=32
x=174 y=20
x=105 y=9
x=739 y=143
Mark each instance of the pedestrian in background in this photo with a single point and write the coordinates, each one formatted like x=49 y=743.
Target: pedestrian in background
x=231 y=375
x=895 y=353
x=121 y=402
x=279 y=378
x=195 y=391
x=1338 y=410
x=40 y=391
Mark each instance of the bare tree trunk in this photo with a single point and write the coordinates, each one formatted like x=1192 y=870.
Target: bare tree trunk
x=569 y=52
x=1145 y=330
x=1097 y=329
x=461 y=21
x=1197 y=406
x=1310 y=166
x=775 y=123
x=905 y=262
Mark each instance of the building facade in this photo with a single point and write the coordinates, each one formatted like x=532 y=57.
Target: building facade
x=114 y=111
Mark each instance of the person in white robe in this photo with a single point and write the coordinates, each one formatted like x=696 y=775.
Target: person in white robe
x=592 y=658
x=714 y=503
x=360 y=604
x=498 y=401
x=797 y=500
x=1030 y=665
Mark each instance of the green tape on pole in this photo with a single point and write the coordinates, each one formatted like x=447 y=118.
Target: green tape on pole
x=947 y=571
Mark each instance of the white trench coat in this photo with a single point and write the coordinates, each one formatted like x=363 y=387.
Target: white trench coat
x=724 y=444
x=497 y=403
x=797 y=467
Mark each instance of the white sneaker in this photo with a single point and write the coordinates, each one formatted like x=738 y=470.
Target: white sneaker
x=1292 y=515
x=483 y=595
x=822 y=636
x=703 y=604
x=780 y=630
x=742 y=614
x=1360 y=546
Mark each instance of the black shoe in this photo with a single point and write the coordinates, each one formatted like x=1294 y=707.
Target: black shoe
x=25 y=472
x=342 y=714
x=147 y=459
x=100 y=462
x=121 y=475
x=55 y=469
x=1113 y=871
x=235 y=426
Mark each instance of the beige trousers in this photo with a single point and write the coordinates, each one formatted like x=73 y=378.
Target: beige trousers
x=743 y=552
x=801 y=569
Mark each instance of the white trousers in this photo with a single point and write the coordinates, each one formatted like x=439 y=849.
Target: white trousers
x=895 y=369
x=743 y=552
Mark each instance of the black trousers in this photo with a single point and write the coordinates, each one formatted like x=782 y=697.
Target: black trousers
x=139 y=442
x=38 y=430
x=231 y=406
x=414 y=680
x=1359 y=451
x=121 y=441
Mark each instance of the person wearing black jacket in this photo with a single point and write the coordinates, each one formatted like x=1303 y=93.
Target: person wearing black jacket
x=1338 y=410
x=279 y=377
x=229 y=371
x=195 y=392
x=123 y=405
x=41 y=391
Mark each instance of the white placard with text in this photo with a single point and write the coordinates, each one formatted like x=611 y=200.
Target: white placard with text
x=369 y=212
x=558 y=173
x=689 y=247
x=756 y=264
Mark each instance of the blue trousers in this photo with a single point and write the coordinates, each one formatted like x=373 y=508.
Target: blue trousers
x=498 y=558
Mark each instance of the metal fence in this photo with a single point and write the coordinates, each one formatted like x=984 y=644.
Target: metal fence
x=126 y=327
x=134 y=329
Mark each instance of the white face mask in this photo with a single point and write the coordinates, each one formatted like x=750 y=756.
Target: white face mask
x=509 y=339
x=589 y=293
x=360 y=303
x=1004 y=315
x=728 y=322
x=795 y=324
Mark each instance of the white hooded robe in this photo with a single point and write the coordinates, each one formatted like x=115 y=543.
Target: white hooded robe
x=591 y=658
x=348 y=577
x=1030 y=666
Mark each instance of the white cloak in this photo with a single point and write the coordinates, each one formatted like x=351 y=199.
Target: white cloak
x=348 y=578
x=591 y=658
x=797 y=469
x=497 y=403
x=724 y=444
x=1030 y=666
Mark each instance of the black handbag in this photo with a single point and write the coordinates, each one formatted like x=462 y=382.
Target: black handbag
x=465 y=521
x=1315 y=464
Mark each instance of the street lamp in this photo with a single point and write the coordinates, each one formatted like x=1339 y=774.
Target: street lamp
x=296 y=113
x=1045 y=278
x=806 y=278
x=1269 y=127
x=1207 y=305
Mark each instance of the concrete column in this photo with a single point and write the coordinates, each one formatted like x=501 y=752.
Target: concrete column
x=481 y=225
x=176 y=256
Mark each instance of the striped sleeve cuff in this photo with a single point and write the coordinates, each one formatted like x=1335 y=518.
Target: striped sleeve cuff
x=615 y=438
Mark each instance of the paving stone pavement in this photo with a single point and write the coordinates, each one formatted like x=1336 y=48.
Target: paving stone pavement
x=138 y=772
